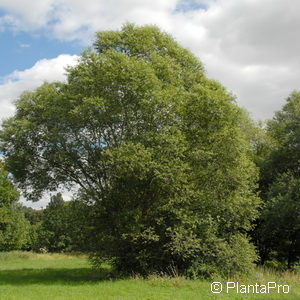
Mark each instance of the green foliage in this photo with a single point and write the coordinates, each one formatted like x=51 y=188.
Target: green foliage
x=61 y=227
x=53 y=233
x=284 y=129
x=13 y=225
x=278 y=234
x=281 y=227
x=225 y=259
x=158 y=151
x=13 y=228
x=34 y=216
x=79 y=229
x=8 y=194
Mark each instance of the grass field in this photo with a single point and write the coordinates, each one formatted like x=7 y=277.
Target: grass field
x=58 y=276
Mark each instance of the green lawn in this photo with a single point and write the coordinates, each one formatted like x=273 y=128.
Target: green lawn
x=44 y=276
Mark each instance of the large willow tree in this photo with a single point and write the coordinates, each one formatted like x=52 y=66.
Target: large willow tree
x=156 y=149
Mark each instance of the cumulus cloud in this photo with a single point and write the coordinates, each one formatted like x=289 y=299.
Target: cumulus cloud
x=17 y=82
x=250 y=46
x=26 y=15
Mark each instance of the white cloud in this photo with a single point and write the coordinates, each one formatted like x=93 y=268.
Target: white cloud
x=251 y=46
x=26 y=14
x=17 y=82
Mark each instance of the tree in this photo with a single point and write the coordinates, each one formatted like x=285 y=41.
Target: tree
x=284 y=130
x=157 y=150
x=13 y=226
x=54 y=231
x=281 y=227
x=34 y=216
x=63 y=227
x=278 y=232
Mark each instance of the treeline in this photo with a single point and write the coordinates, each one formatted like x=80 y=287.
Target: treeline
x=60 y=227
x=171 y=173
x=277 y=231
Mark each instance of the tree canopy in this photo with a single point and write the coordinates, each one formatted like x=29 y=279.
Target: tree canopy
x=157 y=150
x=279 y=231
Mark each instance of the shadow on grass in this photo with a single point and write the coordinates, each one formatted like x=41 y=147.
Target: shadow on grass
x=53 y=276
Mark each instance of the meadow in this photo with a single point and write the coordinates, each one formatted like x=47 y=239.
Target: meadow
x=33 y=276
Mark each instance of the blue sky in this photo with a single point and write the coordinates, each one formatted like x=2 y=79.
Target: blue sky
x=251 y=46
x=21 y=50
x=185 y=6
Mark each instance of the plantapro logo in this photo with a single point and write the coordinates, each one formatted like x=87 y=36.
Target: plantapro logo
x=236 y=287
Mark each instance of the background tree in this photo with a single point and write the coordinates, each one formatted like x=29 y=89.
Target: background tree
x=278 y=232
x=80 y=228
x=281 y=227
x=62 y=226
x=34 y=216
x=53 y=232
x=13 y=225
x=284 y=130
x=157 y=149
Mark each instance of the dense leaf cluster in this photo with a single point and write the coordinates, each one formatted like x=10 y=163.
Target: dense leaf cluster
x=278 y=231
x=13 y=225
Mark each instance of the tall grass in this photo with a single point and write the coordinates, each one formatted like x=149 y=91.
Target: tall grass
x=27 y=255
x=262 y=273
x=13 y=255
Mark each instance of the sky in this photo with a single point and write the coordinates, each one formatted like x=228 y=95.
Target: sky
x=251 y=46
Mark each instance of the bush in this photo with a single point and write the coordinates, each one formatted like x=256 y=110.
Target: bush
x=14 y=228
